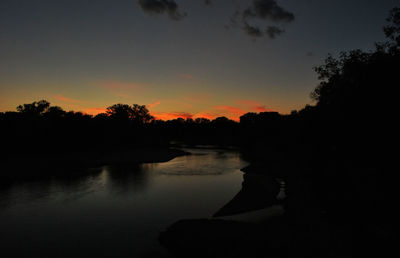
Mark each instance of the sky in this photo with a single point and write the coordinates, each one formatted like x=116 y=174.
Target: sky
x=193 y=58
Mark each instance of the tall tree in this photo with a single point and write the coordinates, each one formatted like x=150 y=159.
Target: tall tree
x=35 y=108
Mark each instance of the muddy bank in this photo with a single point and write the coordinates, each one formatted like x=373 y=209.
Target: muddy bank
x=258 y=191
x=320 y=218
x=222 y=238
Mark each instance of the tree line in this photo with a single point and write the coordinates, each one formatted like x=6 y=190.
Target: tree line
x=353 y=112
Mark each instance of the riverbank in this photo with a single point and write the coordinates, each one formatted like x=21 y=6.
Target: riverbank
x=319 y=219
x=326 y=210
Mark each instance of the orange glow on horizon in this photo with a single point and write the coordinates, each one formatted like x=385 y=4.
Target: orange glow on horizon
x=170 y=116
x=253 y=106
x=202 y=107
x=235 y=113
x=94 y=111
x=206 y=115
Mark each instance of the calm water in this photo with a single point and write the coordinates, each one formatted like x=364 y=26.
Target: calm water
x=115 y=211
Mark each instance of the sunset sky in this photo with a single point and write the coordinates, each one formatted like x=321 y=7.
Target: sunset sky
x=191 y=58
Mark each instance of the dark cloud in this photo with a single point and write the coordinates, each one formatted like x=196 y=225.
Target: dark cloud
x=273 y=31
x=262 y=11
x=156 y=7
x=255 y=31
x=252 y=30
x=268 y=10
x=234 y=20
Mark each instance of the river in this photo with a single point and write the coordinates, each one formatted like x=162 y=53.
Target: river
x=115 y=211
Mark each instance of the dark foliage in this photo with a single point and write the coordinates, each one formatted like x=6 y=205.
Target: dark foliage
x=336 y=157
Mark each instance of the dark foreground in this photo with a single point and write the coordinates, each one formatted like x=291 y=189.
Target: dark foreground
x=116 y=210
x=288 y=205
x=329 y=217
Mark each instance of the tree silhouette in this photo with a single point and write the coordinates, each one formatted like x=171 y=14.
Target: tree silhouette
x=54 y=112
x=119 y=112
x=248 y=118
x=339 y=79
x=353 y=78
x=137 y=114
x=202 y=120
x=140 y=114
x=392 y=32
x=35 y=108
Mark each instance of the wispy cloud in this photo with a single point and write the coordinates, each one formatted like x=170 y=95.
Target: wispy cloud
x=178 y=102
x=154 y=104
x=185 y=115
x=185 y=76
x=205 y=115
x=120 y=89
x=62 y=98
x=121 y=95
x=262 y=109
x=253 y=106
x=231 y=112
x=198 y=98
x=171 y=115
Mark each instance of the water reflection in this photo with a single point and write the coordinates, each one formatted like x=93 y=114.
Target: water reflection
x=124 y=179
x=114 y=210
x=27 y=191
x=202 y=162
